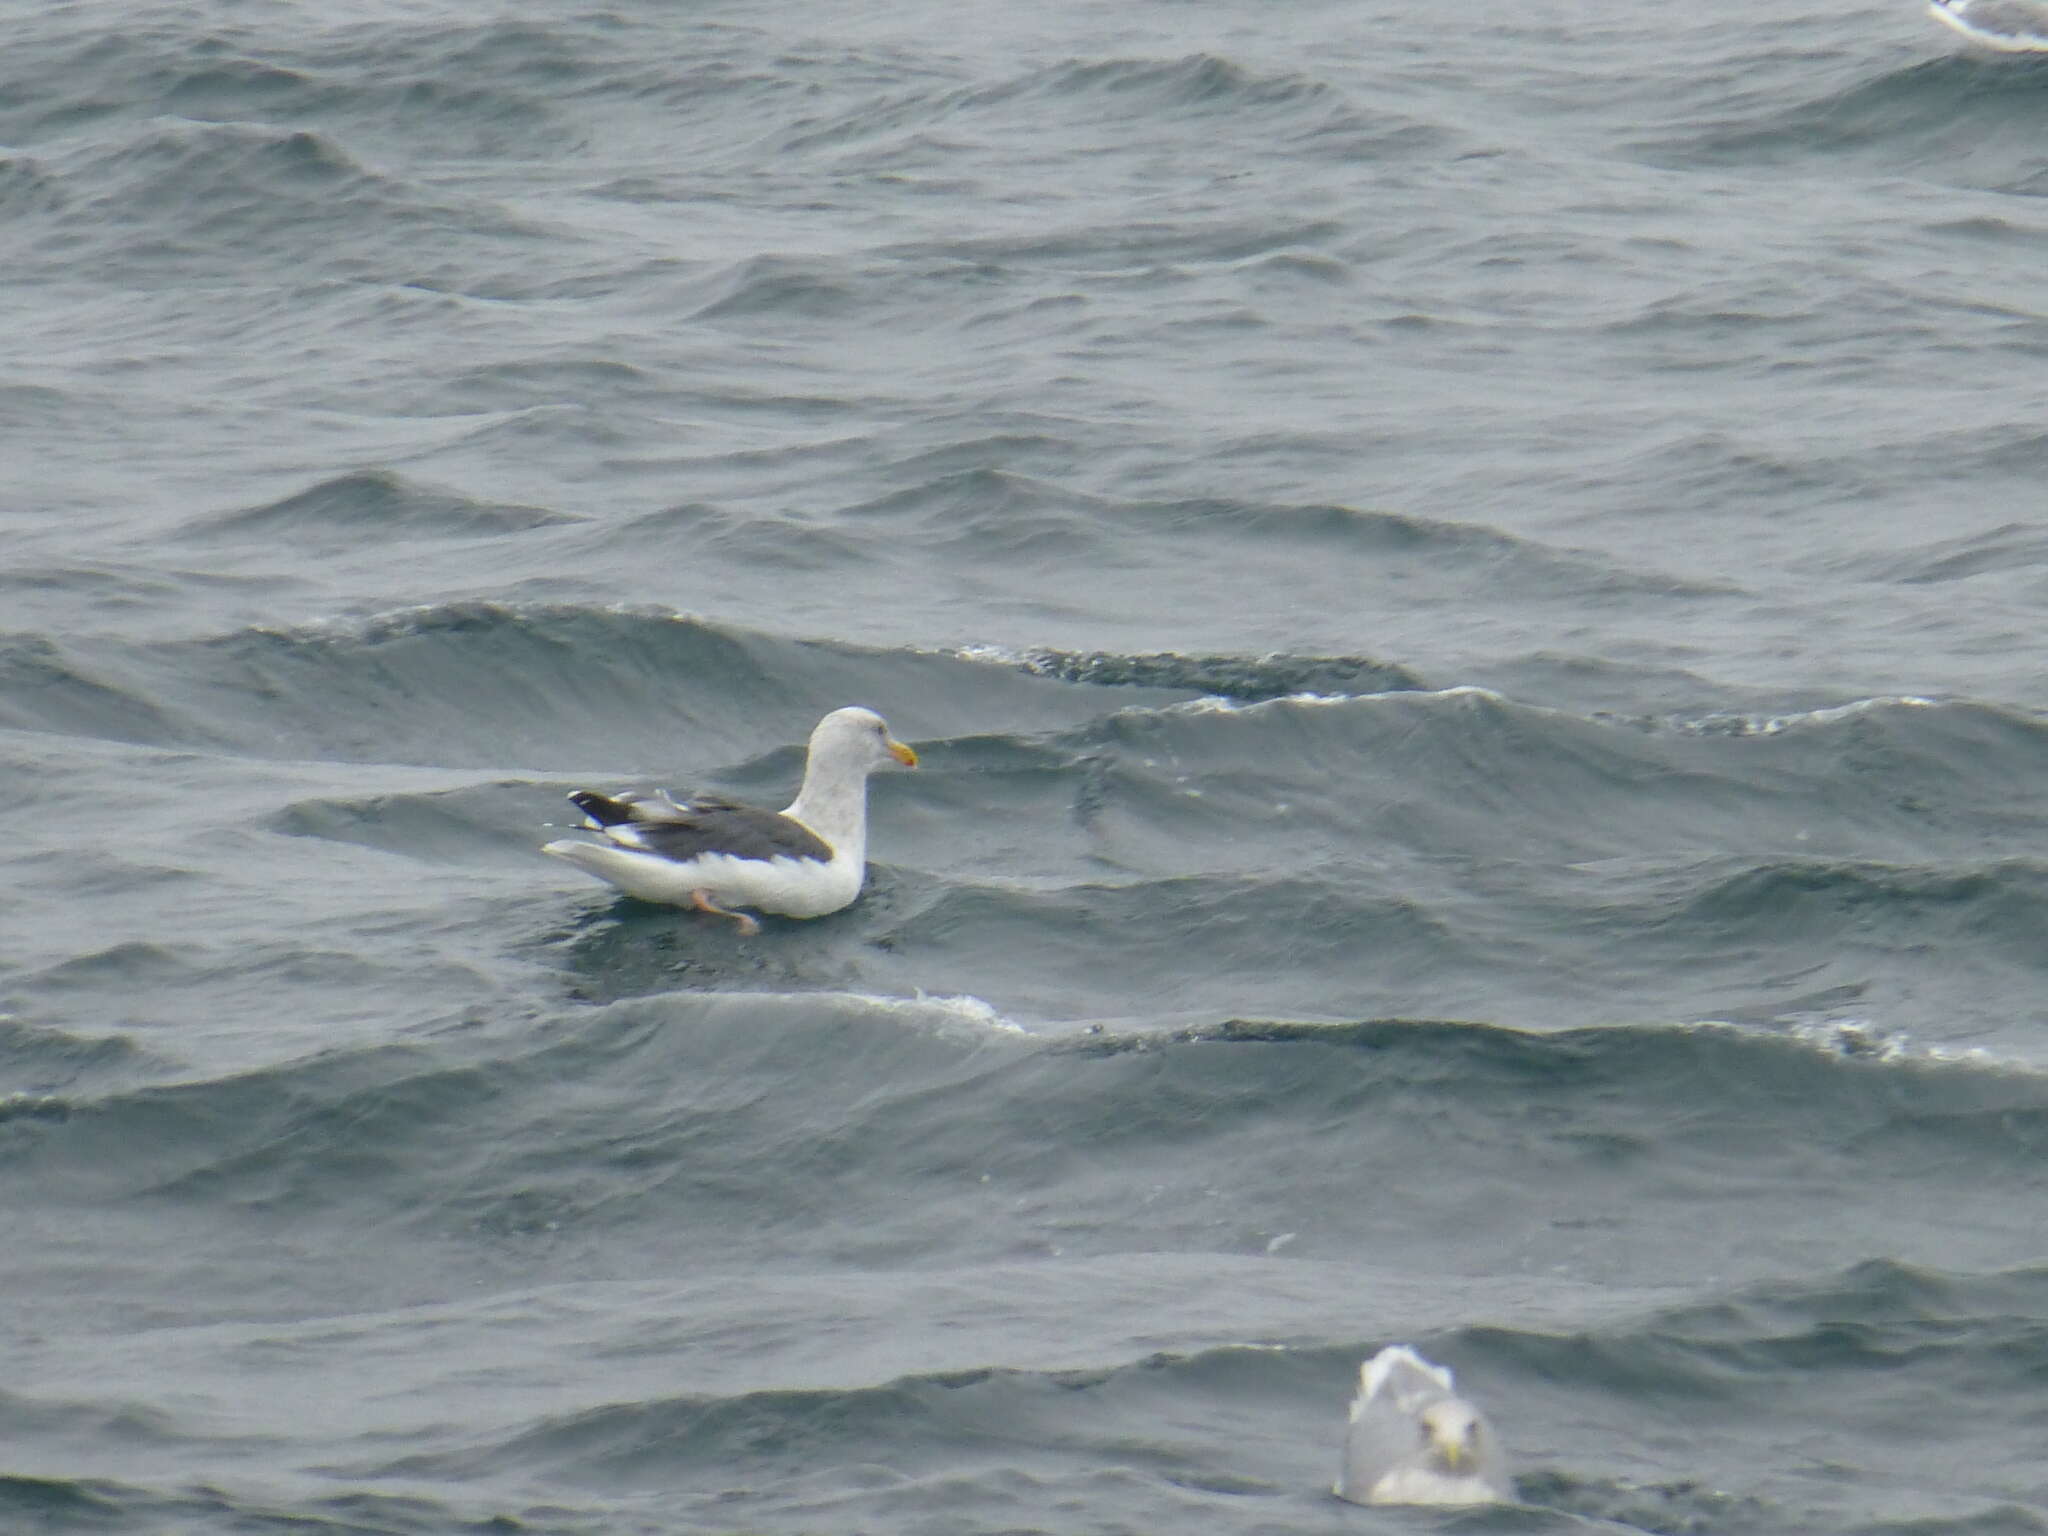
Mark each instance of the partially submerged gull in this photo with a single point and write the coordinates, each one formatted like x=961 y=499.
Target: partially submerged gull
x=715 y=854
x=1413 y=1440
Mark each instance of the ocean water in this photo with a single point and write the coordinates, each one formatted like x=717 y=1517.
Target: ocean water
x=1470 y=588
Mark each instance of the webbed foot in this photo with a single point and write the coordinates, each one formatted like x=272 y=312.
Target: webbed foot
x=702 y=901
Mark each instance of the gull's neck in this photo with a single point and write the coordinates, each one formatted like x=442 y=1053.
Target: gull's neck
x=834 y=804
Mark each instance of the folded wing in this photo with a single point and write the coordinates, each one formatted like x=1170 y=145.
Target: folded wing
x=704 y=824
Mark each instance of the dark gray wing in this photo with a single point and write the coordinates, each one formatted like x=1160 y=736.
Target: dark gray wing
x=706 y=824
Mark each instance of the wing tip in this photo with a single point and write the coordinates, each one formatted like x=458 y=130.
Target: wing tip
x=599 y=810
x=1375 y=1373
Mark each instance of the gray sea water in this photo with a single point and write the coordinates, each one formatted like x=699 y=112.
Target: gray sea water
x=1470 y=587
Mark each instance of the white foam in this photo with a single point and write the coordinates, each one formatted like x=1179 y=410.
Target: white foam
x=1214 y=704
x=1772 y=725
x=987 y=655
x=945 y=1010
x=2008 y=26
x=1865 y=1040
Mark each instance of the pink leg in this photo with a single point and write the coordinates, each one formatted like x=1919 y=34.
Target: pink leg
x=702 y=901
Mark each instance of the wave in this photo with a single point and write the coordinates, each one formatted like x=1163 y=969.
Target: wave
x=117 y=590
x=2009 y=550
x=1248 y=679
x=1857 y=1359
x=1702 y=1394
x=475 y=684
x=1183 y=831
x=1138 y=96
x=339 y=514
x=101 y=1504
x=865 y=1126
x=1189 y=835
x=164 y=194
x=474 y=90
x=28 y=189
x=1961 y=120
x=977 y=506
x=1201 y=1207
x=39 y=1065
x=51 y=1501
x=1993 y=905
x=475 y=825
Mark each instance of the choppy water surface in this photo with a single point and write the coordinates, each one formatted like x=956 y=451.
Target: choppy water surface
x=1469 y=588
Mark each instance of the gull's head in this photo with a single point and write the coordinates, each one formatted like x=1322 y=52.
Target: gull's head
x=1450 y=1432
x=863 y=737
